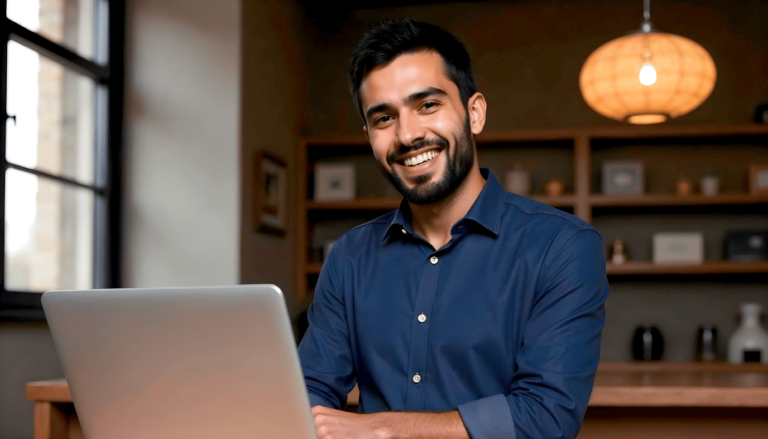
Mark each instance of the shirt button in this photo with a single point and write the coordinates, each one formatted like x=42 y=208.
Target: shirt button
x=433 y=260
x=404 y=232
x=417 y=378
x=422 y=318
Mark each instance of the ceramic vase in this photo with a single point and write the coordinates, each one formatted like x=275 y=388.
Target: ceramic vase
x=750 y=342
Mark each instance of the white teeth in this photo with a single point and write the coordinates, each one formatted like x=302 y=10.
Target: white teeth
x=421 y=158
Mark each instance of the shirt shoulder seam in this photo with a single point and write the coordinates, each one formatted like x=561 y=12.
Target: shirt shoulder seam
x=565 y=218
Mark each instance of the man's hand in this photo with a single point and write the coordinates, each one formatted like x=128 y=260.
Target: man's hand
x=336 y=424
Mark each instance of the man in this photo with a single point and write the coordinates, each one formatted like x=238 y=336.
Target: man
x=468 y=311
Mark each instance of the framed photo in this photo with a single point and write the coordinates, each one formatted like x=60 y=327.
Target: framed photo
x=758 y=179
x=623 y=177
x=334 y=181
x=678 y=248
x=269 y=193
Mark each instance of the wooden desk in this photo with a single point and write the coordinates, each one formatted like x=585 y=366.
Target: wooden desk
x=630 y=400
x=55 y=416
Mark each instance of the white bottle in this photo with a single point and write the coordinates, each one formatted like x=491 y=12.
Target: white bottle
x=518 y=181
x=750 y=340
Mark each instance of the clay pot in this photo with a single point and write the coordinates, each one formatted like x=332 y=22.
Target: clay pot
x=684 y=187
x=554 y=188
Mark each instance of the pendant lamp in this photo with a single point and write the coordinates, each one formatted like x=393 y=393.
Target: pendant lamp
x=648 y=76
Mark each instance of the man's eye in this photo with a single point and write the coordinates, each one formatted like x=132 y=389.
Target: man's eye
x=383 y=119
x=428 y=105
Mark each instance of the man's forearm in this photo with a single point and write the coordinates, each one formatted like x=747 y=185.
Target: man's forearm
x=417 y=425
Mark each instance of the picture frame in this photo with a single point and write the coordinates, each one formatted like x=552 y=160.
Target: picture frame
x=758 y=179
x=334 y=181
x=678 y=248
x=623 y=177
x=269 y=194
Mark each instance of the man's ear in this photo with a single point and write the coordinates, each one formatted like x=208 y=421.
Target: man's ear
x=367 y=136
x=476 y=110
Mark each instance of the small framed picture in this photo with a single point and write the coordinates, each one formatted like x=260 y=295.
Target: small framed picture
x=334 y=181
x=623 y=177
x=758 y=179
x=269 y=193
x=678 y=248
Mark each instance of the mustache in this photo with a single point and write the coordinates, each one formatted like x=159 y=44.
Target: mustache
x=394 y=156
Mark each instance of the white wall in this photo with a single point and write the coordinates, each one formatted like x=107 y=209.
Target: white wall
x=26 y=354
x=182 y=211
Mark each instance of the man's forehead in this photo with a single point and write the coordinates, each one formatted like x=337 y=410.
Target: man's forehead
x=403 y=76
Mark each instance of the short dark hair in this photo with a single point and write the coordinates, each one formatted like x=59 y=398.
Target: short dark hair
x=392 y=38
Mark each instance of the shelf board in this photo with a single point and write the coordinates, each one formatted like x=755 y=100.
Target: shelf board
x=675 y=200
x=314 y=267
x=648 y=267
x=382 y=203
x=708 y=267
x=391 y=203
x=562 y=201
x=618 y=131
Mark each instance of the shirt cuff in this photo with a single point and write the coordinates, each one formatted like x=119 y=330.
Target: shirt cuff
x=488 y=418
x=316 y=400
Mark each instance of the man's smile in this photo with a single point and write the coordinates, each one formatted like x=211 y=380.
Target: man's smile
x=421 y=161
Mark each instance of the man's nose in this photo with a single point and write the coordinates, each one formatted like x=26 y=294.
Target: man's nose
x=410 y=129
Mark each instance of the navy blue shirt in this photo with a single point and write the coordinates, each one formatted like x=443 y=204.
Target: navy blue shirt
x=503 y=322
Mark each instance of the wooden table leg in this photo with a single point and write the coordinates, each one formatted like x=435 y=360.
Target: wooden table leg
x=50 y=421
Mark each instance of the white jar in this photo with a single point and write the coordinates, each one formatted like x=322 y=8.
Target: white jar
x=750 y=338
x=518 y=181
x=710 y=185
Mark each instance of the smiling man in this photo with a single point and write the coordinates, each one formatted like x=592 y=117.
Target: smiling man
x=468 y=311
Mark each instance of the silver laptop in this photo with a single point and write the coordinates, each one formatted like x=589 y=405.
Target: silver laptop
x=188 y=363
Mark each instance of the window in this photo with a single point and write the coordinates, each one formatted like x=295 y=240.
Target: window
x=61 y=87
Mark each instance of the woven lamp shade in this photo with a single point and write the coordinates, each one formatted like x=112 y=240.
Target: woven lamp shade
x=610 y=78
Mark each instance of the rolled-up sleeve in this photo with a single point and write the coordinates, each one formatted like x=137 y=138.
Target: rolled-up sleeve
x=556 y=365
x=324 y=352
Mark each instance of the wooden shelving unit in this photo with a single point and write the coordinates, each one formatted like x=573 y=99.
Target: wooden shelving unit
x=582 y=201
x=675 y=200
x=633 y=268
x=390 y=203
x=708 y=267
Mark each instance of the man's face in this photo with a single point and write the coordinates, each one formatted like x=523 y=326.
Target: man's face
x=418 y=127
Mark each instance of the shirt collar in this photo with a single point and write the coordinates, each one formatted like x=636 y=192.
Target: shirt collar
x=486 y=210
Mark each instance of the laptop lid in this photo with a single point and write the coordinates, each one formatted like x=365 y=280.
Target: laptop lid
x=187 y=363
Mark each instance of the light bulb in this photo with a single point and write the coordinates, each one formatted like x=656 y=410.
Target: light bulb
x=647 y=74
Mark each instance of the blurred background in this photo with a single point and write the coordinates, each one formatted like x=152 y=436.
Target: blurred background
x=156 y=143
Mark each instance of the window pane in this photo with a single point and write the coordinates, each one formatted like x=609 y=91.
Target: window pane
x=54 y=130
x=66 y=22
x=48 y=234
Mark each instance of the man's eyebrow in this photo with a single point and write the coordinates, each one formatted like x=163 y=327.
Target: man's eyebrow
x=427 y=92
x=376 y=109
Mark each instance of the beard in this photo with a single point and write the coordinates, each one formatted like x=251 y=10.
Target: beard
x=457 y=167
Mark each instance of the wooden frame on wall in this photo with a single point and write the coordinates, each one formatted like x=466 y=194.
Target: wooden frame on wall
x=270 y=182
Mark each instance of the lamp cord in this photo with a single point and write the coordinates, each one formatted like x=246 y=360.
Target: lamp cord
x=646 y=26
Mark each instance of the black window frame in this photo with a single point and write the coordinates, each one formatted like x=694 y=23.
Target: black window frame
x=108 y=123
